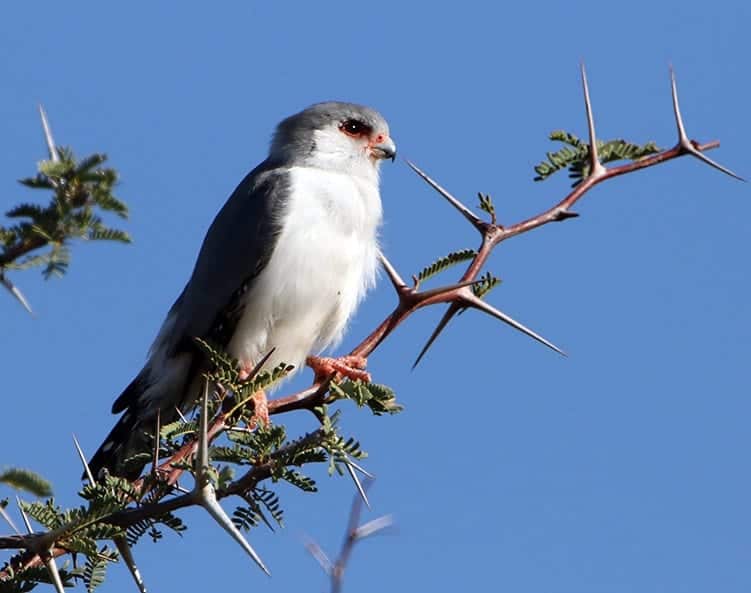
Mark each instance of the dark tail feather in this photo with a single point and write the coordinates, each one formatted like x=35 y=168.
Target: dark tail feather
x=127 y=438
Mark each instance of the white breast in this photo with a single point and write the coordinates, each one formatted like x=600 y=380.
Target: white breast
x=324 y=261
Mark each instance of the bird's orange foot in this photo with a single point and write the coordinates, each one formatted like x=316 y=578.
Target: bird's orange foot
x=351 y=367
x=260 y=401
x=260 y=416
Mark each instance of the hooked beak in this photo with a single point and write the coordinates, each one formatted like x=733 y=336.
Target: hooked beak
x=383 y=148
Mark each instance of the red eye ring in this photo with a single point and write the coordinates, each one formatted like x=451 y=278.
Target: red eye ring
x=355 y=128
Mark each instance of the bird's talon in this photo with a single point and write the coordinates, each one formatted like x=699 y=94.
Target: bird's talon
x=349 y=367
x=260 y=416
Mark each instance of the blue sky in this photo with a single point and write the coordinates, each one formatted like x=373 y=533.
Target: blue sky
x=622 y=468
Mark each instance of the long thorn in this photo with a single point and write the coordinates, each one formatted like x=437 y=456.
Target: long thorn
x=16 y=292
x=181 y=415
x=204 y=489
x=595 y=166
x=450 y=312
x=51 y=148
x=364 y=472
x=472 y=301
x=6 y=516
x=127 y=555
x=157 y=438
x=683 y=140
x=25 y=518
x=682 y=137
x=393 y=275
x=82 y=457
x=703 y=157
x=49 y=562
x=255 y=370
x=212 y=506
x=466 y=212
x=358 y=485
x=202 y=454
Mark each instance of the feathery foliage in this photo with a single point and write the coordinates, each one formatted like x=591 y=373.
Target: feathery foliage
x=575 y=153
x=82 y=191
x=23 y=479
x=247 y=457
x=444 y=263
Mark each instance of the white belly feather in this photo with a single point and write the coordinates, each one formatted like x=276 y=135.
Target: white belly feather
x=324 y=262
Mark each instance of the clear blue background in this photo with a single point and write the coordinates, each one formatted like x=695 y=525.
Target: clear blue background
x=623 y=468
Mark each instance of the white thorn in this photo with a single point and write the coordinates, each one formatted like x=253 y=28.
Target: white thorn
x=208 y=500
x=81 y=456
x=127 y=555
x=54 y=574
x=202 y=455
x=683 y=140
x=595 y=166
x=204 y=489
x=356 y=480
x=365 y=473
x=374 y=526
x=466 y=212
x=16 y=292
x=25 y=518
x=182 y=417
x=51 y=148
x=393 y=275
x=6 y=516
x=682 y=137
x=473 y=301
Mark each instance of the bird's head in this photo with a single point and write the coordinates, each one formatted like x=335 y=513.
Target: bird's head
x=337 y=136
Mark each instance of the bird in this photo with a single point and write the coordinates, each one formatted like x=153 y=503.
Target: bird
x=282 y=269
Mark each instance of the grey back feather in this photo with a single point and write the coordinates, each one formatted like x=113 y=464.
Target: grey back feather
x=237 y=247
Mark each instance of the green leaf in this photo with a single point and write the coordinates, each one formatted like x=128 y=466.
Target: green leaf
x=295 y=478
x=23 y=479
x=575 y=155
x=32 y=211
x=445 y=262
x=486 y=204
x=94 y=572
x=485 y=284
x=106 y=234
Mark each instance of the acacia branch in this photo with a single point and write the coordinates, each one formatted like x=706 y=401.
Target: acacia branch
x=458 y=296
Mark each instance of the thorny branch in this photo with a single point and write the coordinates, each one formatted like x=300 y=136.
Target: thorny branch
x=40 y=549
x=460 y=296
x=355 y=533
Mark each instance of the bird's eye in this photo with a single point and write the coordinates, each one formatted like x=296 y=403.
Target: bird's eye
x=355 y=128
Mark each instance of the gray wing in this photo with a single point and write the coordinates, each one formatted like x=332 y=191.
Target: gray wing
x=237 y=247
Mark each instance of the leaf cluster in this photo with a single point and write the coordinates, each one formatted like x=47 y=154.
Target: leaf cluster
x=82 y=190
x=574 y=155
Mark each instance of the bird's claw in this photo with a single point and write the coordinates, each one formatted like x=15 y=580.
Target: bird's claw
x=350 y=367
x=260 y=416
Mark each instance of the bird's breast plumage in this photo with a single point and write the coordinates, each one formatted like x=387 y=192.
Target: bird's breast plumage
x=324 y=260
